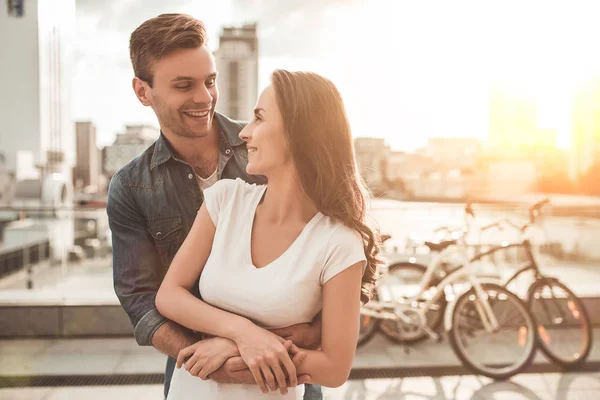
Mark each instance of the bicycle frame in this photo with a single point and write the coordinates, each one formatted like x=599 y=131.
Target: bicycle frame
x=530 y=264
x=463 y=273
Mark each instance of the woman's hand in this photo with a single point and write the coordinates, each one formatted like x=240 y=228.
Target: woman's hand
x=206 y=356
x=265 y=353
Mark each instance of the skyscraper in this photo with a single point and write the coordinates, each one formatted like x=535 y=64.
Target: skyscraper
x=237 y=63
x=37 y=130
x=86 y=172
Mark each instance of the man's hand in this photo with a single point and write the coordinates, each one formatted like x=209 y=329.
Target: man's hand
x=236 y=371
x=306 y=336
x=204 y=357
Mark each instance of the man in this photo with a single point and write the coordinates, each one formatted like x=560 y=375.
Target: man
x=154 y=199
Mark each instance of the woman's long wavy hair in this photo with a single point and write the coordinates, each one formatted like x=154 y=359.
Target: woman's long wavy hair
x=318 y=133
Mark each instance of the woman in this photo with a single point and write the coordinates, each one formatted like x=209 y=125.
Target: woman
x=271 y=256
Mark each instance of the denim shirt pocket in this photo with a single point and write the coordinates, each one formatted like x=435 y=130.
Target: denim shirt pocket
x=167 y=232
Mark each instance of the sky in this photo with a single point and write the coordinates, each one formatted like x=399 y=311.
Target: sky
x=407 y=70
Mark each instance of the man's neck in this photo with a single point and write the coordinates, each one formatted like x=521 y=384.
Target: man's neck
x=195 y=151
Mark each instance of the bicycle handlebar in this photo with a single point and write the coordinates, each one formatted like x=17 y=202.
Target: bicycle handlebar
x=536 y=209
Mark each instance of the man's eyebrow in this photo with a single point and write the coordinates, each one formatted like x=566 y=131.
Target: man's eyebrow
x=259 y=110
x=190 y=78
x=182 y=78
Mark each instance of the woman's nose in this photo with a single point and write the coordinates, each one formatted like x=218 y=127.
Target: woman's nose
x=245 y=134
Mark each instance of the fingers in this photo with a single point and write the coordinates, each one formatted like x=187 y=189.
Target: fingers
x=302 y=379
x=205 y=371
x=279 y=375
x=290 y=368
x=194 y=369
x=184 y=354
x=294 y=349
x=288 y=345
x=269 y=378
x=281 y=339
x=258 y=378
x=298 y=358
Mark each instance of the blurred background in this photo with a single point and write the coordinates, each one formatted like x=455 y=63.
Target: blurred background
x=493 y=102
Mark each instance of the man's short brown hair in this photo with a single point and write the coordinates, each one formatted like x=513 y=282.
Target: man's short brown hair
x=159 y=36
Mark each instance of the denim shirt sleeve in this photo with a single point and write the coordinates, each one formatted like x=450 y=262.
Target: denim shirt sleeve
x=137 y=272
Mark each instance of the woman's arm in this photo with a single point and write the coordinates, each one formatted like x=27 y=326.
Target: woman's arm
x=174 y=299
x=263 y=351
x=331 y=365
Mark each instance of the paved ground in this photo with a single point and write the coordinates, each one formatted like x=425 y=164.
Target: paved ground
x=582 y=386
x=76 y=357
x=123 y=356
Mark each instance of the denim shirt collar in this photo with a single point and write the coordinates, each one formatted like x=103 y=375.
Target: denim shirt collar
x=229 y=136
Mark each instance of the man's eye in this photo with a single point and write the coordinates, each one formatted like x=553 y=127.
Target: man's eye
x=183 y=86
x=211 y=82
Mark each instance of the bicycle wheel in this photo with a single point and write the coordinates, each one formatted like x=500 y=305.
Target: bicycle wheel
x=564 y=329
x=368 y=327
x=501 y=353
x=404 y=279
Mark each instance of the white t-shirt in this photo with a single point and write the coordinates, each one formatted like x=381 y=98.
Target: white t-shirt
x=286 y=292
x=208 y=182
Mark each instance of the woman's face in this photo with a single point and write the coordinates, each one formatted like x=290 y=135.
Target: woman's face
x=267 y=148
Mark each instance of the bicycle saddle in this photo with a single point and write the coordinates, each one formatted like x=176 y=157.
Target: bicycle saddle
x=441 y=246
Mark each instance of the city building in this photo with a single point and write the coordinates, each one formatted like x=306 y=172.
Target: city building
x=585 y=131
x=7 y=182
x=86 y=172
x=237 y=63
x=450 y=153
x=127 y=146
x=37 y=131
x=510 y=177
x=371 y=157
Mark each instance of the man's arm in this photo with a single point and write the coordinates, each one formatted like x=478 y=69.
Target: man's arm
x=306 y=336
x=137 y=277
x=138 y=273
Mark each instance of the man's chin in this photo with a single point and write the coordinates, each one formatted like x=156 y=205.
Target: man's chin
x=193 y=135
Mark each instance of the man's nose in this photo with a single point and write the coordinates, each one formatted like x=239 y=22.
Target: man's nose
x=202 y=95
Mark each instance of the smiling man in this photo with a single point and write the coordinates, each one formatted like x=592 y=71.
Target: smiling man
x=154 y=199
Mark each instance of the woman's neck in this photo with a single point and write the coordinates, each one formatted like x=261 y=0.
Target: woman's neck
x=285 y=200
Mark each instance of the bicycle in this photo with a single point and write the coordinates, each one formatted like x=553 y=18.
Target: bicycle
x=479 y=310
x=560 y=316
x=564 y=328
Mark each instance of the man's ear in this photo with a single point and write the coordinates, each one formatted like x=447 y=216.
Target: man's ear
x=141 y=90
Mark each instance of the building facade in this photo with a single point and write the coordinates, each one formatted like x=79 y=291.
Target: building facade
x=127 y=146
x=37 y=131
x=86 y=172
x=237 y=64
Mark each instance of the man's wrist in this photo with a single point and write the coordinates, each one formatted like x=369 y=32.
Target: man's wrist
x=231 y=349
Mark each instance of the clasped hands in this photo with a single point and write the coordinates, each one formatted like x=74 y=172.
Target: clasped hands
x=268 y=358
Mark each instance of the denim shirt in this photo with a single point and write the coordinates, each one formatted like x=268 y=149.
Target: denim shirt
x=152 y=204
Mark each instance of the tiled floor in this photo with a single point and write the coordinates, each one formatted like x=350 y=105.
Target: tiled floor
x=121 y=356
x=585 y=386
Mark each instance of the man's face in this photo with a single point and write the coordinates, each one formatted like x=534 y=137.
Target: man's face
x=184 y=93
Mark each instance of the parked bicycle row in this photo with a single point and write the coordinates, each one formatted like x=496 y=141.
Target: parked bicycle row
x=493 y=328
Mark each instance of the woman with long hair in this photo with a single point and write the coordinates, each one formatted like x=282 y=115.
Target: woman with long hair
x=271 y=256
